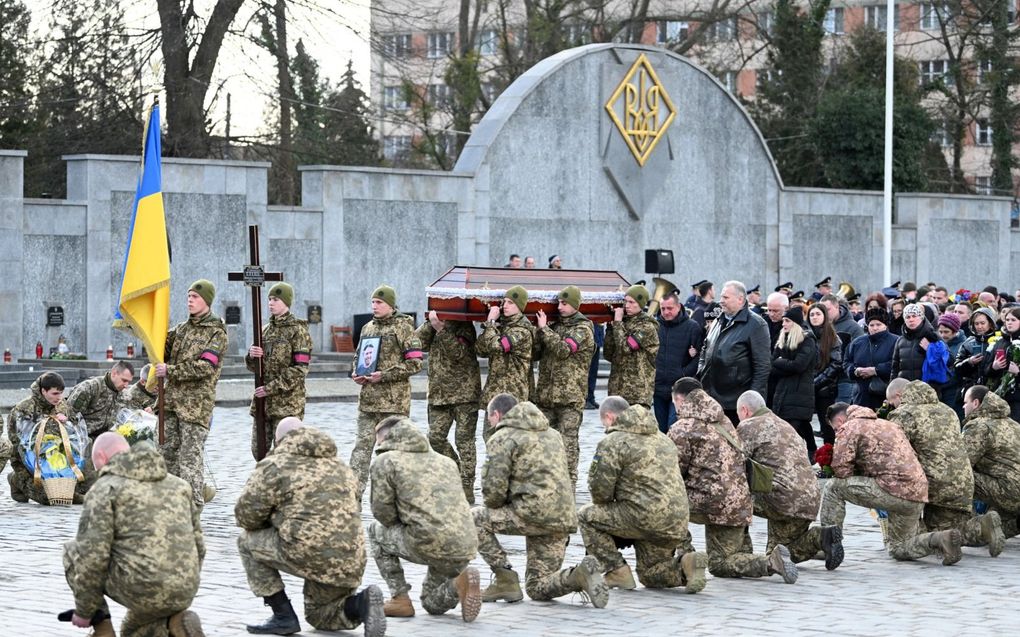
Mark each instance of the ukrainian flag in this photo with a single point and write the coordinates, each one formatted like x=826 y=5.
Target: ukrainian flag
x=145 y=291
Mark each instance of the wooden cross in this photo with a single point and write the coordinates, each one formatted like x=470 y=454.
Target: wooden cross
x=254 y=276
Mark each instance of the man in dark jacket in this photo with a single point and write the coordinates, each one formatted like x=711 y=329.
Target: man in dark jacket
x=736 y=356
x=869 y=358
x=680 y=340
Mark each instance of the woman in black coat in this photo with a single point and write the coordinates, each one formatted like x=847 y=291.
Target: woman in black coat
x=912 y=348
x=793 y=366
x=1001 y=360
x=829 y=368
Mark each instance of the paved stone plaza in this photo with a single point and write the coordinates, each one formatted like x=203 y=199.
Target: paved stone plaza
x=869 y=595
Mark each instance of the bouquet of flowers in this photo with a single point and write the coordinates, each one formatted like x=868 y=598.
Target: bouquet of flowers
x=884 y=410
x=1007 y=382
x=823 y=458
x=962 y=295
x=135 y=425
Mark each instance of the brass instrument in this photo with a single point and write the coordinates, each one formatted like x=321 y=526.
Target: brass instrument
x=663 y=288
x=845 y=291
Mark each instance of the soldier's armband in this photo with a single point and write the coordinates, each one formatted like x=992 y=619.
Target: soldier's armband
x=506 y=344
x=301 y=358
x=633 y=344
x=572 y=344
x=210 y=356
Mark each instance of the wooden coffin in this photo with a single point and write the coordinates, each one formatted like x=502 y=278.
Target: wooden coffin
x=467 y=292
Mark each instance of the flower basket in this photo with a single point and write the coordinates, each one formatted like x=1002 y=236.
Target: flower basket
x=57 y=466
x=60 y=491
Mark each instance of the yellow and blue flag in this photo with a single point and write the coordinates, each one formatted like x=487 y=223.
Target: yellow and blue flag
x=144 y=304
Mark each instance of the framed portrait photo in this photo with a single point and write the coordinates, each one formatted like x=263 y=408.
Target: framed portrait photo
x=368 y=355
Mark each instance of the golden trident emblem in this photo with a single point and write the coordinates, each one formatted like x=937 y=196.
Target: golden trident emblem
x=645 y=108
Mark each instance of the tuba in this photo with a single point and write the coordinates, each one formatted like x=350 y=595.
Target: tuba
x=845 y=290
x=663 y=288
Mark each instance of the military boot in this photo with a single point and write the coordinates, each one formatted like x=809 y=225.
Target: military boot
x=284 y=620
x=469 y=593
x=621 y=578
x=832 y=546
x=992 y=534
x=947 y=544
x=586 y=578
x=367 y=607
x=692 y=570
x=506 y=587
x=781 y=564
x=16 y=494
x=185 y=624
x=399 y=606
x=103 y=629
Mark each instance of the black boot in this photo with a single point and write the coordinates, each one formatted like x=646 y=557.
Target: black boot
x=367 y=607
x=284 y=620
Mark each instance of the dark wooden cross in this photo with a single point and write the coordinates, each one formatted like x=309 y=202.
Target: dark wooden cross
x=254 y=276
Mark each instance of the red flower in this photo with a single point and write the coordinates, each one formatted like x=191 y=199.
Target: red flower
x=823 y=456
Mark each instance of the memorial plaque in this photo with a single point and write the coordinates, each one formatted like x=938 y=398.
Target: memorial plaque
x=314 y=314
x=54 y=316
x=233 y=315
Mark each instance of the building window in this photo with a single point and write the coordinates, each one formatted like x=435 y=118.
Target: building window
x=723 y=30
x=984 y=133
x=766 y=20
x=934 y=15
x=488 y=42
x=941 y=137
x=875 y=17
x=395 y=98
x=396 y=147
x=576 y=34
x=763 y=77
x=440 y=95
x=729 y=80
x=933 y=71
x=490 y=92
x=984 y=68
x=983 y=185
x=439 y=44
x=397 y=46
x=834 y=21
x=671 y=31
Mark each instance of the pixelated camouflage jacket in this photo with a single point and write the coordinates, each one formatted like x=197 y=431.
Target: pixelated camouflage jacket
x=98 y=402
x=400 y=357
x=635 y=470
x=139 y=537
x=194 y=358
x=712 y=469
x=933 y=430
x=774 y=443
x=137 y=397
x=33 y=409
x=286 y=354
x=416 y=487
x=868 y=446
x=454 y=376
x=631 y=346
x=508 y=346
x=526 y=470
x=564 y=350
x=992 y=440
x=309 y=495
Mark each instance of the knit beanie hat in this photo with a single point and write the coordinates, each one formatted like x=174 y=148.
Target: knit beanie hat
x=284 y=292
x=386 y=294
x=950 y=320
x=876 y=314
x=914 y=309
x=205 y=289
x=571 y=295
x=795 y=314
x=639 y=294
x=519 y=296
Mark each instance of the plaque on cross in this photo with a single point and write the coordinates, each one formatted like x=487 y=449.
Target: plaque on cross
x=254 y=276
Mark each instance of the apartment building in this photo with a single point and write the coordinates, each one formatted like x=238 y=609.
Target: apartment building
x=411 y=43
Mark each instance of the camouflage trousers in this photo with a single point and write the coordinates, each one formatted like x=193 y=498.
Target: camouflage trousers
x=389 y=546
x=796 y=534
x=567 y=421
x=657 y=566
x=543 y=579
x=938 y=518
x=183 y=451
x=263 y=560
x=902 y=539
x=730 y=552
x=144 y=617
x=364 y=443
x=990 y=491
x=269 y=425
x=441 y=419
x=22 y=483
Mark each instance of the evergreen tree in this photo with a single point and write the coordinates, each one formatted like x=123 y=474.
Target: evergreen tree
x=14 y=92
x=347 y=126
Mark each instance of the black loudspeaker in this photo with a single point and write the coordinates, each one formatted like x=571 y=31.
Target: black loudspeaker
x=658 y=262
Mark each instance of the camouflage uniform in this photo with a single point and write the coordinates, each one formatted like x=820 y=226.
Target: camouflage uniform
x=637 y=493
x=565 y=349
x=992 y=441
x=138 y=397
x=455 y=385
x=31 y=409
x=286 y=354
x=135 y=499
x=875 y=466
x=716 y=487
x=526 y=491
x=98 y=402
x=934 y=432
x=792 y=504
x=300 y=515
x=508 y=344
x=399 y=358
x=421 y=516
x=194 y=358
x=631 y=346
